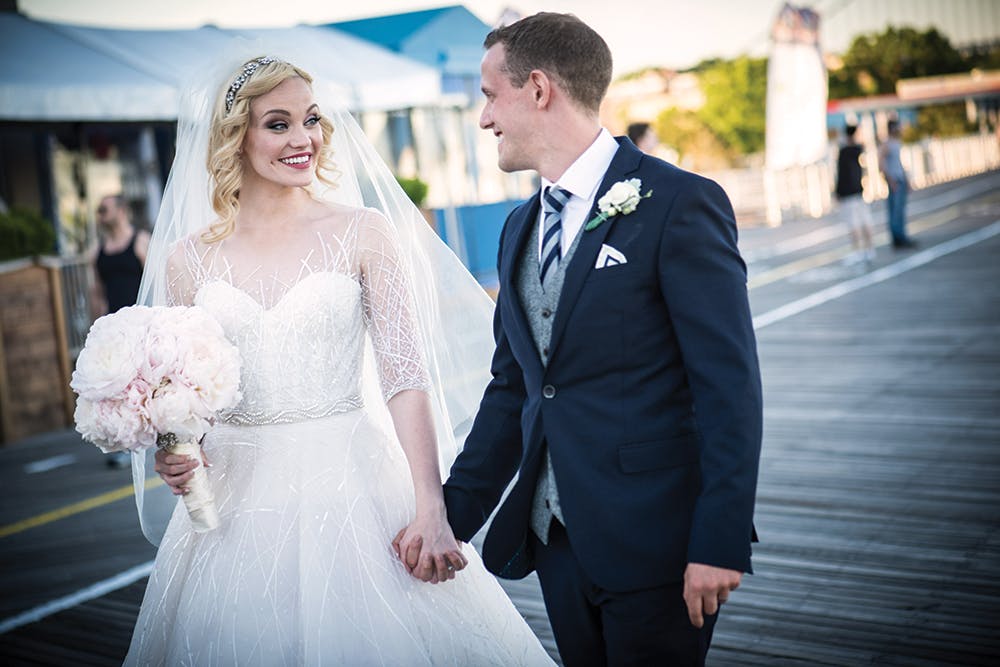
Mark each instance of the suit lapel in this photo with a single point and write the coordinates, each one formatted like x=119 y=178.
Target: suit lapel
x=624 y=163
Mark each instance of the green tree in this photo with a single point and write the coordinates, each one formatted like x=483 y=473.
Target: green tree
x=875 y=62
x=696 y=144
x=735 y=94
x=730 y=124
x=942 y=120
x=414 y=188
x=987 y=57
x=24 y=233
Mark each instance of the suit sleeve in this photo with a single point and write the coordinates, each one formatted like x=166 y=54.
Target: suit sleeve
x=493 y=448
x=703 y=281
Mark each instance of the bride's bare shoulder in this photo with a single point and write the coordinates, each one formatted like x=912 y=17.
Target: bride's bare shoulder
x=193 y=241
x=188 y=247
x=341 y=218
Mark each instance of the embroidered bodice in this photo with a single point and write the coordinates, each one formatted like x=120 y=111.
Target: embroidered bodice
x=300 y=314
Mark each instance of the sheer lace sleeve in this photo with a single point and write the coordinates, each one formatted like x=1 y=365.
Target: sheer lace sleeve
x=388 y=309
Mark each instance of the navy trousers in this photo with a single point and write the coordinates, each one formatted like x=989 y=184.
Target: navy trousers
x=596 y=627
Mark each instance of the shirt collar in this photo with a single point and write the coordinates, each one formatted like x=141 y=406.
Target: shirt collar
x=584 y=176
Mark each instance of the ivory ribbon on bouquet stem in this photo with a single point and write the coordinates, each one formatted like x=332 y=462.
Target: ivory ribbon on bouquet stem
x=199 y=500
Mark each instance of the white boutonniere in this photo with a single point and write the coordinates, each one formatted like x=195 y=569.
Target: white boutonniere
x=621 y=199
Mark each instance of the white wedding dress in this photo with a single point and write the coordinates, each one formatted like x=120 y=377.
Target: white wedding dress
x=310 y=485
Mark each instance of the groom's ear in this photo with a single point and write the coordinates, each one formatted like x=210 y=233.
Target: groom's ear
x=541 y=88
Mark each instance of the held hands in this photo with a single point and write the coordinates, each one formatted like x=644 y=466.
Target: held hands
x=177 y=470
x=429 y=550
x=706 y=588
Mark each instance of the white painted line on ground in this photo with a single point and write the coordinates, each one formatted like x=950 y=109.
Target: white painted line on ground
x=837 y=228
x=760 y=278
x=89 y=593
x=880 y=275
x=50 y=463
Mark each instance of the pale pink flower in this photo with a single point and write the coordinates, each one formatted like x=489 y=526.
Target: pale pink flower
x=145 y=371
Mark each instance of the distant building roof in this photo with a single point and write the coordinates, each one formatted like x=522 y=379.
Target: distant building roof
x=448 y=38
x=393 y=30
x=977 y=83
x=926 y=91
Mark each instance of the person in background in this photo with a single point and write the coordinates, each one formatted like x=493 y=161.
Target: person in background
x=643 y=136
x=117 y=270
x=850 y=193
x=891 y=167
x=120 y=257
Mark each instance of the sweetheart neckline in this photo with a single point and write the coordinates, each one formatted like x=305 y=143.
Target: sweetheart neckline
x=283 y=297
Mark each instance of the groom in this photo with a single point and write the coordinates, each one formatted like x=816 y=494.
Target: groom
x=626 y=392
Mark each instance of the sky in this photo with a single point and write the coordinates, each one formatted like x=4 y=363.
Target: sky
x=639 y=32
x=669 y=33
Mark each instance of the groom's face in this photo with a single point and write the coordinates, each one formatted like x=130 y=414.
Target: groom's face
x=508 y=113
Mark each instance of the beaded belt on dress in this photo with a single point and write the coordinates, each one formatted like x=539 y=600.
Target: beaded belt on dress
x=246 y=416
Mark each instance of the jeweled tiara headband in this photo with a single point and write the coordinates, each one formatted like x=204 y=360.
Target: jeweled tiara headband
x=244 y=76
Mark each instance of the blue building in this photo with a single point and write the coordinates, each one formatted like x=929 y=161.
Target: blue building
x=470 y=216
x=447 y=38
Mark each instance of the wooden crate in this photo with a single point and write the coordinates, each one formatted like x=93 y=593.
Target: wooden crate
x=34 y=363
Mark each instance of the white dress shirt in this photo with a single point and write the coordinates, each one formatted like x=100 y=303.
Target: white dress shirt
x=581 y=180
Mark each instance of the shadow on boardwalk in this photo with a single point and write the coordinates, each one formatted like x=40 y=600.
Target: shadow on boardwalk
x=879 y=496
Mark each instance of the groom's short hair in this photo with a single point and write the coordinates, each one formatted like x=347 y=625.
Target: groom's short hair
x=564 y=47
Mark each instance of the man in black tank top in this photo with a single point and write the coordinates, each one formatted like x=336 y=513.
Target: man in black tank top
x=120 y=257
x=117 y=270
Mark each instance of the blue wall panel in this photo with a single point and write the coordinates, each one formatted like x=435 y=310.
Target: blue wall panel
x=479 y=227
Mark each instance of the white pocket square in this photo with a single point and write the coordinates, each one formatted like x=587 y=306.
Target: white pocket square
x=609 y=257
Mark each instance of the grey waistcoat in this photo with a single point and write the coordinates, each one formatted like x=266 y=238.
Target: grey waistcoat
x=540 y=308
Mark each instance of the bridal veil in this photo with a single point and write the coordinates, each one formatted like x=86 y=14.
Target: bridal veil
x=453 y=313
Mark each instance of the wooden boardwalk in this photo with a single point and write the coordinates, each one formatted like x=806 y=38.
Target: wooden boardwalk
x=879 y=495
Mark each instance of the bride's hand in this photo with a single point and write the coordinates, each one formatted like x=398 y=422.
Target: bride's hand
x=176 y=470
x=429 y=550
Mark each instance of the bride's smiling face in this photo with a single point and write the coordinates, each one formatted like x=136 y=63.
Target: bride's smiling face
x=284 y=137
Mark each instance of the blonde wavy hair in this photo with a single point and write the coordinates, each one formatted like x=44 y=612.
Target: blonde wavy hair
x=226 y=135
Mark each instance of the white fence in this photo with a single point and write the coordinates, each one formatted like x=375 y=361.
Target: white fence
x=760 y=196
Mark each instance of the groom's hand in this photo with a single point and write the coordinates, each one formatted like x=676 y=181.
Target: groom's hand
x=706 y=588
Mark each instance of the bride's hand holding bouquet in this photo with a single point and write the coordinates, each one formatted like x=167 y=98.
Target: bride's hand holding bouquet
x=157 y=375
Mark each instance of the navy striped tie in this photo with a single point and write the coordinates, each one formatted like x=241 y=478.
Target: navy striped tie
x=553 y=201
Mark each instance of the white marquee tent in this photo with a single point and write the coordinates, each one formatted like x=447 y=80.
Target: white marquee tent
x=51 y=77
x=75 y=73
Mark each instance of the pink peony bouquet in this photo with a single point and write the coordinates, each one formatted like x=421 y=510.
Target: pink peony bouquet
x=157 y=375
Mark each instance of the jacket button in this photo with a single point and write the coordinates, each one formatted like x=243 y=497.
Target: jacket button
x=548 y=391
x=546 y=313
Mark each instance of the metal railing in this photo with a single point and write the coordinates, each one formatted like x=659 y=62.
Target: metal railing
x=760 y=196
x=76 y=277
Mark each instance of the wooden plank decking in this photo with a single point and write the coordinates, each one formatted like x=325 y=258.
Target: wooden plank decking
x=879 y=496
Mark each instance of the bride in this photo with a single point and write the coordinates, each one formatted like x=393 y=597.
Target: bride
x=363 y=342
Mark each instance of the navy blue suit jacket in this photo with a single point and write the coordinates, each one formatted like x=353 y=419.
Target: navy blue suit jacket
x=650 y=403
